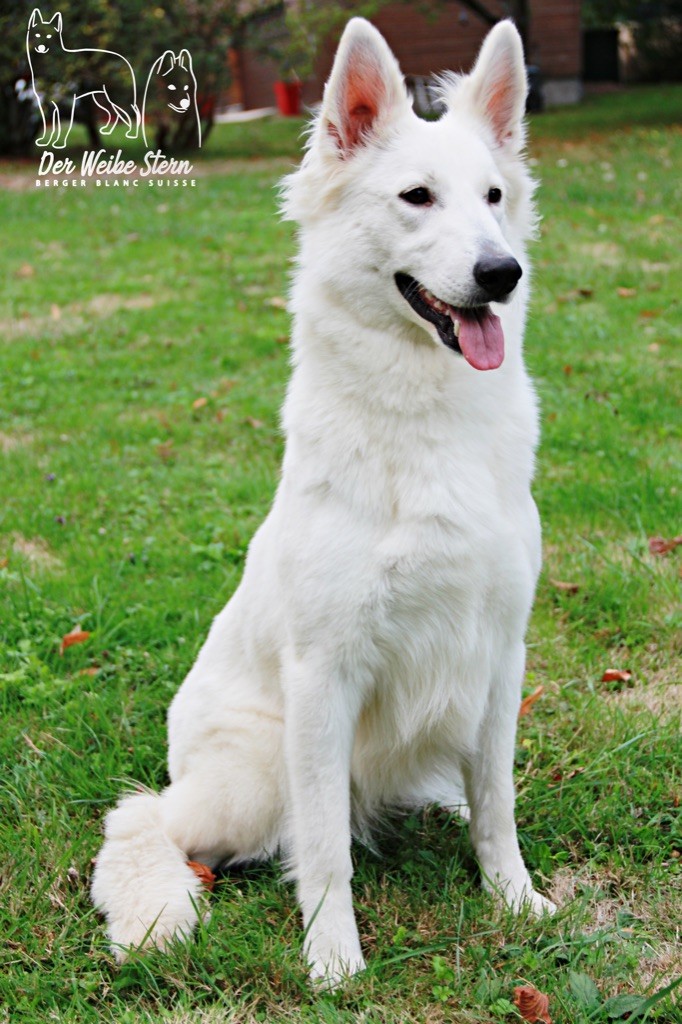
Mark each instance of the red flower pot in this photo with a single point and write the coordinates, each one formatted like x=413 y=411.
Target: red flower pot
x=288 y=96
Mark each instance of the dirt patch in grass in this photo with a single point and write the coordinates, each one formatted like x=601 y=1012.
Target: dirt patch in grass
x=660 y=961
x=10 y=442
x=661 y=695
x=76 y=316
x=36 y=551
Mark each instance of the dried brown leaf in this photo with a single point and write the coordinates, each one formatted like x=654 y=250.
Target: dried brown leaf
x=76 y=636
x=616 y=675
x=527 y=702
x=627 y=293
x=532 y=1004
x=570 y=588
x=660 y=546
x=203 y=873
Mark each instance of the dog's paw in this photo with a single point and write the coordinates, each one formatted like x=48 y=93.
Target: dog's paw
x=539 y=905
x=330 y=970
x=530 y=901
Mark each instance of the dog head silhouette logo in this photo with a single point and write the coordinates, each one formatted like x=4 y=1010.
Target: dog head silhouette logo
x=172 y=90
x=43 y=36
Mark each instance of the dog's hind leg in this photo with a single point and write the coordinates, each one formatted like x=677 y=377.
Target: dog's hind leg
x=227 y=804
x=490 y=792
x=136 y=121
x=131 y=120
x=107 y=128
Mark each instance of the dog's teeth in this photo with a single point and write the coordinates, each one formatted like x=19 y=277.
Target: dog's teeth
x=456 y=325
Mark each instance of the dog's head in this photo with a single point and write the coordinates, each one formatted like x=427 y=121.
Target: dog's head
x=419 y=225
x=176 y=82
x=43 y=36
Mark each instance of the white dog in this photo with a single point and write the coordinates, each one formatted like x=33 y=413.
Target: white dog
x=373 y=654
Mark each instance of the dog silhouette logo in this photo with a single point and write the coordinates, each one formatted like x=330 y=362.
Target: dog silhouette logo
x=170 y=100
x=62 y=77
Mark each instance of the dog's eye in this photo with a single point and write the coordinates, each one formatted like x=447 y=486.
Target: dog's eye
x=171 y=87
x=417 y=196
x=494 y=195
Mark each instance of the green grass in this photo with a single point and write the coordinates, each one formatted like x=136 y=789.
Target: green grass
x=128 y=506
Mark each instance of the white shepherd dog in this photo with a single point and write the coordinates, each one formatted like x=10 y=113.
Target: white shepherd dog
x=373 y=653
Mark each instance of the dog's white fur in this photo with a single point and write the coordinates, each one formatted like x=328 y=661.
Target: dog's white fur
x=373 y=654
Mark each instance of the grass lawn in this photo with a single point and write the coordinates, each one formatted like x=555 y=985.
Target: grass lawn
x=143 y=355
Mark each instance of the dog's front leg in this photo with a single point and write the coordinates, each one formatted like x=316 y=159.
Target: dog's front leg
x=45 y=136
x=63 y=132
x=490 y=794
x=321 y=716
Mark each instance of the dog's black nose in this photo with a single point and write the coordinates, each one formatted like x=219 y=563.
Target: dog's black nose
x=497 y=276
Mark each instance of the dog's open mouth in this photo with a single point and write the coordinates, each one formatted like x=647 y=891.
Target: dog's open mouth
x=474 y=331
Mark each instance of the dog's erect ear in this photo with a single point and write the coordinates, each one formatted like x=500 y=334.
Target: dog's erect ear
x=166 y=62
x=498 y=84
x=364 y=88
x=185 y=60
x=35 y=18
x=57 y=19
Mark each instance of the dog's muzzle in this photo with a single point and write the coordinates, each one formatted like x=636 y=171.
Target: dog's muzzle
x=474 y=331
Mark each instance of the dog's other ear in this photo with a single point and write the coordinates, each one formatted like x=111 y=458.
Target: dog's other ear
x=58 y=21
x=36 y=17
x=364 y=88
x=498 y=84
x=185 y=60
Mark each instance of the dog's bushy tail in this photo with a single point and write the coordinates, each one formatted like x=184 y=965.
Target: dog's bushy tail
x=142 y=882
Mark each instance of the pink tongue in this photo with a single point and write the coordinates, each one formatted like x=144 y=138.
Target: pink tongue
x=481 y=340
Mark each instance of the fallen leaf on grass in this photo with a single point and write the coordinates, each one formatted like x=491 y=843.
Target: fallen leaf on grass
x=533 y=1005
x=660 y=546
x=527 y=702
x=616 y=675
x=251 y=422
x=575 y=294
x=25 y=270
x=277 y=302
x=203 y=873
x=570 y=588
x=76 y=636
x=199 y=403
x=92 y=670
x=627 y=293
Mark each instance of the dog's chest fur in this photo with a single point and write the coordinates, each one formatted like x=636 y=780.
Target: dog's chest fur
x=422 y=547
